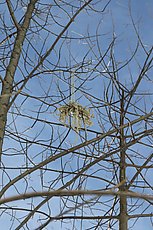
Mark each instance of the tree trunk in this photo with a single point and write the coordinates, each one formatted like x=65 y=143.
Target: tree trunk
x=10 y=71
x=123 y=220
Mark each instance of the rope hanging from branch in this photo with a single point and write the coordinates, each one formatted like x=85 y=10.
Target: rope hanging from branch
x=73 y=113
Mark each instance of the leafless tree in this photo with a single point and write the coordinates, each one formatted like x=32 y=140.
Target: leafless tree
x=76 y=119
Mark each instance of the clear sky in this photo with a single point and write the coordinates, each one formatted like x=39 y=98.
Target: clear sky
x=50 y=88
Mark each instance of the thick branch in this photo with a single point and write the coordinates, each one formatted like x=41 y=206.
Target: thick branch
x=61 y=193
x=11 y=69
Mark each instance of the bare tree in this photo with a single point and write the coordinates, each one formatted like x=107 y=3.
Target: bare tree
x=75 y=116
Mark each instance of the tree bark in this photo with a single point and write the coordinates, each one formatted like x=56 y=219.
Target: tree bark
x=10 y=71
x=123 y=220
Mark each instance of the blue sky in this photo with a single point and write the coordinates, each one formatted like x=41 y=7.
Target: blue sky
x=55 y=85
